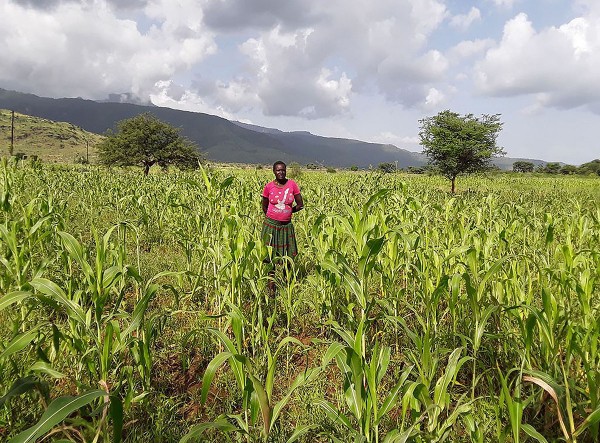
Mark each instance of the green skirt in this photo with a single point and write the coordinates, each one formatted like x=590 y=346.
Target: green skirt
x=280 y=236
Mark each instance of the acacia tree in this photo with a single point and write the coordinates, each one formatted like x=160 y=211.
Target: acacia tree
x=523 y=166
x=144 y=140
x=457 y=144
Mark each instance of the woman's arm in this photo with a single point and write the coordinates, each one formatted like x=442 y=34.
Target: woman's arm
x=265 y=204
x=299 y=203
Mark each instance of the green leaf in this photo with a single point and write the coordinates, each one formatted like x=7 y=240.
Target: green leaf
x=300 y=431
x=13 y=297
x=391 y=398
x=305 y=377
x=333 y=350
x=140 y=310
x=53 y=291
x=221 y=423
x=57 y=411
x=116 y=414
x=19 y=387
x=590 y=420
x=209 y=374
x=335 y=415
x=42 y=366
x=76 y=252
x=530 y=430
x=19 y=342
x=263 y=401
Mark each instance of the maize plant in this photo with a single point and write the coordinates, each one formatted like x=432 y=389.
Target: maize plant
x=137 y=308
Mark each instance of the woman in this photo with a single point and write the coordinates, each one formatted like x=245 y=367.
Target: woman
x=278 y=198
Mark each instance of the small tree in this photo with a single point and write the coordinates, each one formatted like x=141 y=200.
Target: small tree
x=552 y=168
x=522 y=166
x=294 y=170
x=387 y=167
x=592 y=167
x=568 y=170
x=458 y=144
x=144 y=140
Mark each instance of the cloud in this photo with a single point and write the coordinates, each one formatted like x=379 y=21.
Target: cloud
x=312 y=70
x=234 y=15
x=505 y=3
x=389 y=138
x=171 y=95
x=559 y=66
x=52 y=4
x=287 y=80
x=468 y=49
x=464 y=21
x=84 y=49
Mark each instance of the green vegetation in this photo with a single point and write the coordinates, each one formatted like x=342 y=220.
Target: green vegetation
x=50 y=141
x=457 y=144
x=387 y=167
x=590 y=168
x=523 y=166
x=136 y=308
x=145 y=141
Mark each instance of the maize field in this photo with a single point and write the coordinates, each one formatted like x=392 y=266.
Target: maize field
x=136 y=308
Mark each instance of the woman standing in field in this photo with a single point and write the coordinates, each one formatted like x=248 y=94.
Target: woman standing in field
x=278 y=198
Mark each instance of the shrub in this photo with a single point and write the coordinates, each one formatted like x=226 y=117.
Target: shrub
x=387 y=167
x=80 y=159
x=294 y=170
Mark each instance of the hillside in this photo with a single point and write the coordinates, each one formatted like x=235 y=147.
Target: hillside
x=51 y=141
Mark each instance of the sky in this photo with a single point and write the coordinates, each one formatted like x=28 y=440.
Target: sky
x=361 y=69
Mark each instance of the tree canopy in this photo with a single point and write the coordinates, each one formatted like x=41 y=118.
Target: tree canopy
x=457 y=144
x=144 y=140
x=523 y=166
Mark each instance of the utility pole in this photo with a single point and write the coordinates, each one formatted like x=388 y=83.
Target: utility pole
x=12 y=133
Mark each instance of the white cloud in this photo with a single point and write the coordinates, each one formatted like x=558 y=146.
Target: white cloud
x=170 y=95
x=561 y=65
x=84 y=49
x=464 y=21
x=389 y=138
x=468 y=49
x=434 y=98
x=311 y=71
x=505 y=3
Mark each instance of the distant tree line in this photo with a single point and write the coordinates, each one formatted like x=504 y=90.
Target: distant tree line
x=592 y=167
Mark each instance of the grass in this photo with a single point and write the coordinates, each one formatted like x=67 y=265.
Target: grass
x=53 y=142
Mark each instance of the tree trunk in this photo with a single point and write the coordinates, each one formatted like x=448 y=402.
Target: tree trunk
x=453 y=179
x=146 y=168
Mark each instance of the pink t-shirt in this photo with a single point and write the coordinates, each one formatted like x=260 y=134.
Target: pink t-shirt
x=281 y=199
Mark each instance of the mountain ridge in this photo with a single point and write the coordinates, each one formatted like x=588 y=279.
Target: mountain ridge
x=220 y=139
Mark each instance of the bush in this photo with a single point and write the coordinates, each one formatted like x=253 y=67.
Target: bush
x=294 y=170
x=331 y=170
x=35 y=162
x=312 y=166
x=416 y=170
x=354 y=168
x=81 y=159
x=387 y=167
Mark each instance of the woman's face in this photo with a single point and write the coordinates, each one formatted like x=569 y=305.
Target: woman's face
x=279 y=172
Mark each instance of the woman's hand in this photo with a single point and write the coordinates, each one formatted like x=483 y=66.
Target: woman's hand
x=299 y=203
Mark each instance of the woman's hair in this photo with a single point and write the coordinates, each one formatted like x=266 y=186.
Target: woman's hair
x=279 y=163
